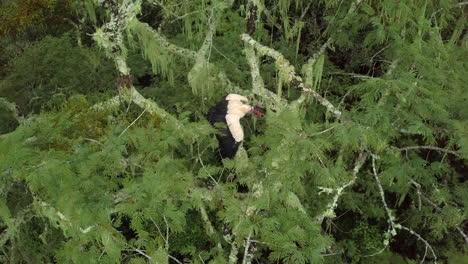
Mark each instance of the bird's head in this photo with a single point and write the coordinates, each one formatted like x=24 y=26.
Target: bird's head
x=239 y=103
x=257 y=111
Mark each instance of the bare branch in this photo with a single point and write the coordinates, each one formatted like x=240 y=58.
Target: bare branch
x=174 y=259
x=141 y=252
x=324 y=131
x=420 y=238
x=134 y=121
x=92 y=140
x=430 y=148
x=166 y=242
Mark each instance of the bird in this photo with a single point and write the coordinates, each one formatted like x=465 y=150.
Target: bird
x=228 y=113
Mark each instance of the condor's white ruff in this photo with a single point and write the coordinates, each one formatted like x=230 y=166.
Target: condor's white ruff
x=236 y=109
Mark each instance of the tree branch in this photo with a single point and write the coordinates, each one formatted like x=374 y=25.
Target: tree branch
x=247 y=255
x=141 y=28
x=391 y=219
x=258 y=86
x=229 y=237
x=330 y=212
x=208 y=225
x=252 y=17
x=430 y=148
x=134 y=121
x=288 y=70
x=439 y=210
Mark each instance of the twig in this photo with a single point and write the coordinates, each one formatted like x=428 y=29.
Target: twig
x=420 y=238
x=202 y=63
x=323 y=132
x=159 y=230
x=462 y=233
x=331 y=254
x=391 y=218
x=134 y=121
x=382 y=195
x=376 y=253
x=354 y=75
x=92 y=140
x=174 y=259
x=141 y=252
x=431 y=148
x=440 y=210
x=377 y=53
x=330 y=212
x=167 y=233
x=424 y=257
x=199 y=256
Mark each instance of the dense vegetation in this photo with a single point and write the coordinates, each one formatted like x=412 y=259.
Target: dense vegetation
x=106 y=155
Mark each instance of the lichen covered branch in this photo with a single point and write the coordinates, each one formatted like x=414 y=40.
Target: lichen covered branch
x=258 y=86
x=391 y=219
x=330 y=212
x=289 y=73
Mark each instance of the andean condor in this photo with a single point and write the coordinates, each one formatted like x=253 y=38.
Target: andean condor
x=229 y=111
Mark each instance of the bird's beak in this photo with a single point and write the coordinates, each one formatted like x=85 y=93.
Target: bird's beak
x=258 y=111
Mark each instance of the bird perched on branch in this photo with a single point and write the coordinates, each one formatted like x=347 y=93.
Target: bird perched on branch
x=228 y=113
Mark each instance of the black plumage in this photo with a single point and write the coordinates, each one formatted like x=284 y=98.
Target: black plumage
x=217 y=118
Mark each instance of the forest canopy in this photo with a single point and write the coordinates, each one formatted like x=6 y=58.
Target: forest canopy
x=106 y=154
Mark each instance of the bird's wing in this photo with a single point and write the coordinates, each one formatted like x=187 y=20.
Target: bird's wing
x=233 y=122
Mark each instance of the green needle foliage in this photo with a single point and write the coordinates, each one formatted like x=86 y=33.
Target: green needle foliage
x=88 y=179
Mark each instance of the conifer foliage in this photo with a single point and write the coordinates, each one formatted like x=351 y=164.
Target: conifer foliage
x=361 y=157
